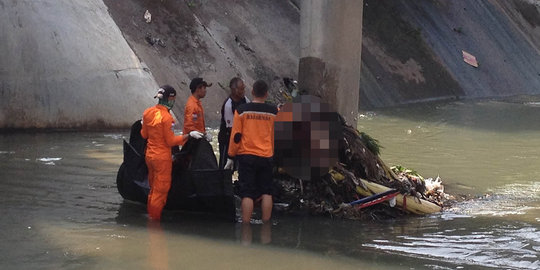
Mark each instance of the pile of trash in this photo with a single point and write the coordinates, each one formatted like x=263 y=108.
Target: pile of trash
x=360 y=186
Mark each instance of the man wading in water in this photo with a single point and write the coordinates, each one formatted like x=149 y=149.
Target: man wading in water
x=252 y=144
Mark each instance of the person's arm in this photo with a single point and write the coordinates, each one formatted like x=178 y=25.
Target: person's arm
x=188 y=125
x=236 y=135
x=168 y=133
x=228 y=114
x=188 y=119
x=144 y=131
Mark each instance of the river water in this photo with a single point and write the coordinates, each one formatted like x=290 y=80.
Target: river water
x=60 y=208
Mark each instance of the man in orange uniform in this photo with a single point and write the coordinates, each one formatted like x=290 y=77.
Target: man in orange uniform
x=252 y=143
x=194 y=112
x=157 y=128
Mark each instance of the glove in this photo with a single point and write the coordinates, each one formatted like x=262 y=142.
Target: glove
x=229 y=165
x=208 y=137
x=195 y=134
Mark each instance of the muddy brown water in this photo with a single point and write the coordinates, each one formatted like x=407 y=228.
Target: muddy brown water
x=60 y=208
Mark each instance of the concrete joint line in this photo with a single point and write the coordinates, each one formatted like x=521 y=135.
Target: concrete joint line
x=221 y=48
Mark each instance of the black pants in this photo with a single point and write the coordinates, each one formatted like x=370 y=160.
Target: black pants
x=223 y=148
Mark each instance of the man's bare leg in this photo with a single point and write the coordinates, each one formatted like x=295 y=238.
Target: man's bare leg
x=266 y=206
x=247 y=235
x=266 y=233
x=247 y=209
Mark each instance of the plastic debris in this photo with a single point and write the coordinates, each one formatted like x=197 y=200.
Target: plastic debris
x=147 y=16
x=469 y=59
x=154 y=40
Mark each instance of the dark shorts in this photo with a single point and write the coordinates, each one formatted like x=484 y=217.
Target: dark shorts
x=254 y=176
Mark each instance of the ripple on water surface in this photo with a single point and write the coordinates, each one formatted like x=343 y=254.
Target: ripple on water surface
x=478 y=239
x=512 y=199
x=497 y=247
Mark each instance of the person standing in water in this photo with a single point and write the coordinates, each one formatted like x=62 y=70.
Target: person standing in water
x=235 y=99
x=252 y=144
x=157 y=129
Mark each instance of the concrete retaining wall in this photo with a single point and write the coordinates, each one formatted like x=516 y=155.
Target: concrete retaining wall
x=65 y=64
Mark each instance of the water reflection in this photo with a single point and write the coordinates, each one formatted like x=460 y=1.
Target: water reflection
x=158 y=251
x=501 y=245
x=265 y=236
x=455 y=238
x=178 y=222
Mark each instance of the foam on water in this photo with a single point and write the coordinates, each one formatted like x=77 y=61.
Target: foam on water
x=513 y=199
x=114 y=136
x=48 y=159
x=496 y=244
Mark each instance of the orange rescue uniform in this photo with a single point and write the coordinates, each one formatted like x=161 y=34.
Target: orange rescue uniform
x=253 y=130
x=157 y=127
x=193 y=116
x=252 y=143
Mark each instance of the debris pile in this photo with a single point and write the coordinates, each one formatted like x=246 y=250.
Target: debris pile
x=154 y=40
x=283 y=90
x=359 y=174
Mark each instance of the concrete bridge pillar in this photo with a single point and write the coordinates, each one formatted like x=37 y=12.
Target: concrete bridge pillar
x=330 y=53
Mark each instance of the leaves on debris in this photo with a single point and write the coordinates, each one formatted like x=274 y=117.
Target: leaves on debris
x=358 y=159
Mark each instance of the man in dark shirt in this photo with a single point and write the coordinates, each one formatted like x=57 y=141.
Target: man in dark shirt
x=228 y=108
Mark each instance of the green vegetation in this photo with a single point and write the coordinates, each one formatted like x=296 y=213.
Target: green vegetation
x=371 y=143
x=191 y=4
x=398 y=169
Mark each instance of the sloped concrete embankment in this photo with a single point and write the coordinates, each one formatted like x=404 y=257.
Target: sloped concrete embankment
x=65 y=64
x=214 y=39
x=412 y=50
